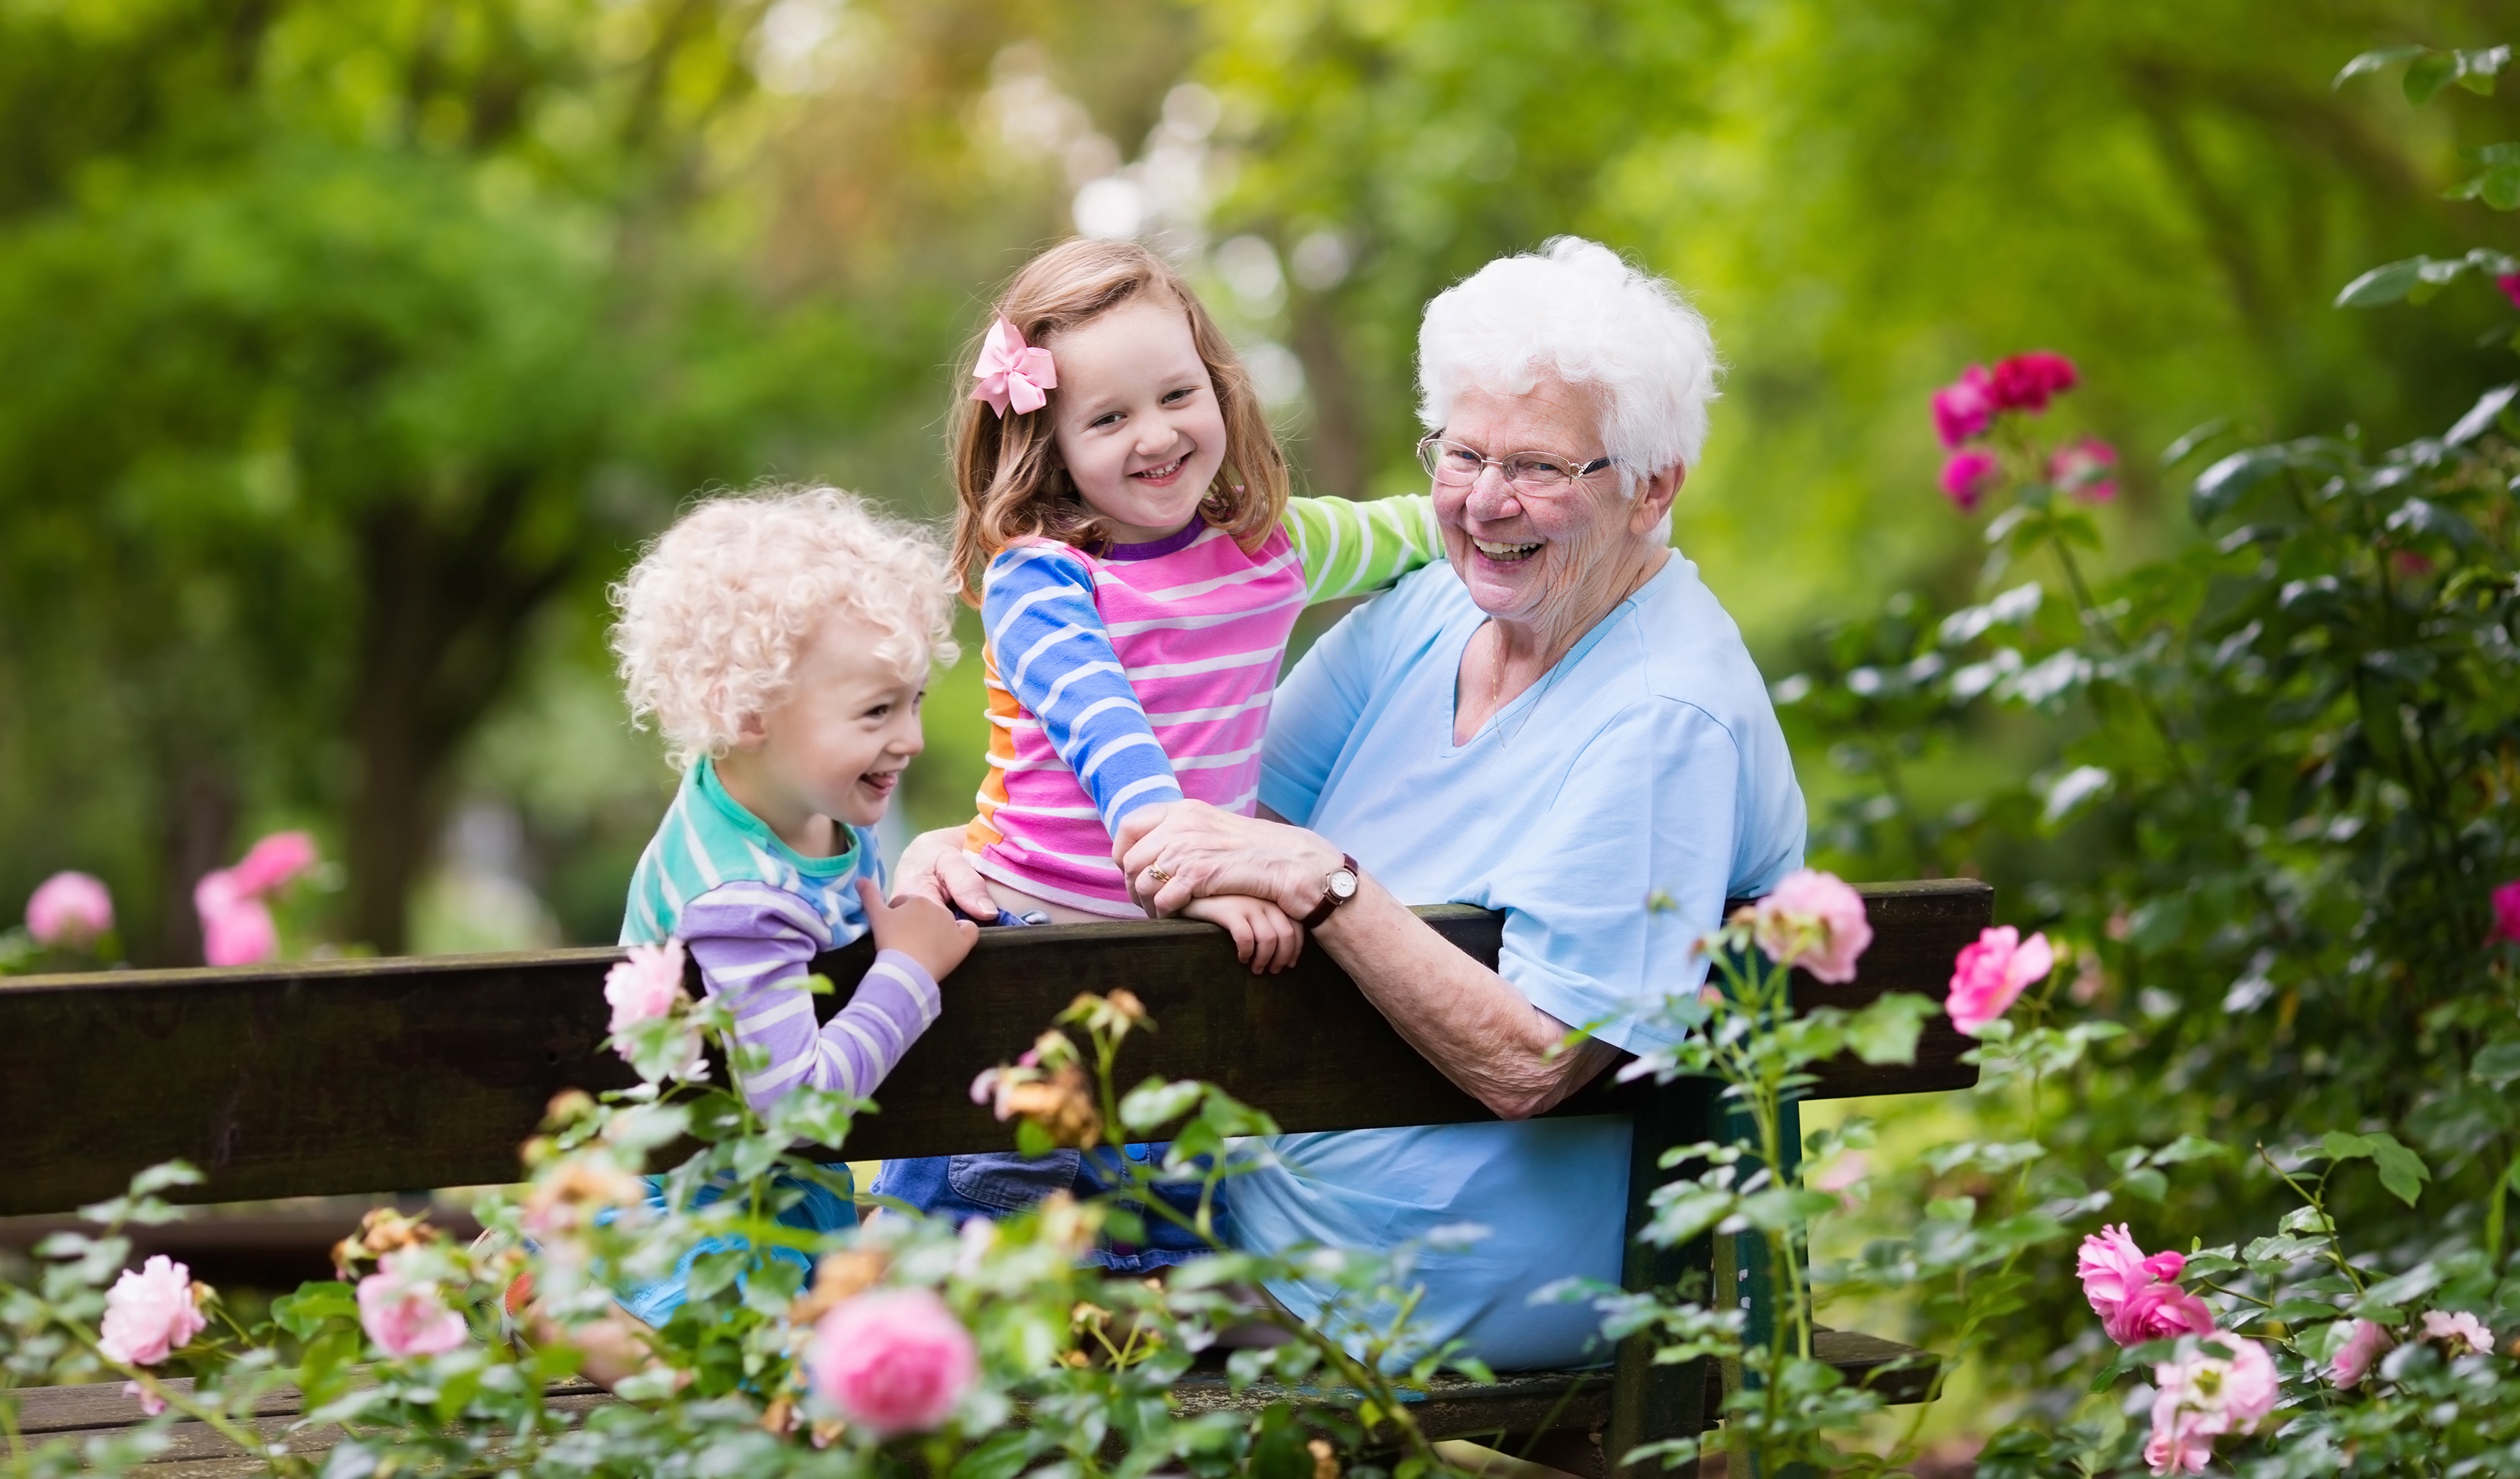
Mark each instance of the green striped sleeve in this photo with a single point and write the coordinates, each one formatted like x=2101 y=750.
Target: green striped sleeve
x=1350 y=548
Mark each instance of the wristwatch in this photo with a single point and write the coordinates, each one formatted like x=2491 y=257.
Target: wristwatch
x=1338 y=885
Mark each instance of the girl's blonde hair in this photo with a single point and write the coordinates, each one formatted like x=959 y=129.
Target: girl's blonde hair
x=1009 y=482
x=713 y=613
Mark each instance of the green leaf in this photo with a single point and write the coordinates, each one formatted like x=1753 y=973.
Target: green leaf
x=2477 y=69
x=2429 y=74
x=2381 y=285
x=1032 y=1139
x=304 y=1312
x=1886 y=1031
x=1155 y=1103
x=1001 y=1455
x=2402 y=1170
x=2337 y=1145
x=2218 y=486
x=2146 y=1183
x=2413 y=1285
x=157 y=1178
x=2189 y=1148
x=2482 y=415
x=2376 y=60
x=2496 y=1063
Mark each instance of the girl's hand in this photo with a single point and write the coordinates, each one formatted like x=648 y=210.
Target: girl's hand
x=1264 y=938
x=919 y=929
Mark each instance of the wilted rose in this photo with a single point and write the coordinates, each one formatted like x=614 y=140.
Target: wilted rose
x=1814 y=921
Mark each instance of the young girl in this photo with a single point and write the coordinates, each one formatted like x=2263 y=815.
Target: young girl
x=782 y=639
x=1145 y=567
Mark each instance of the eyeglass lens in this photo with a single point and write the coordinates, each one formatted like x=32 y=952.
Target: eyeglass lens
x=1453 y=465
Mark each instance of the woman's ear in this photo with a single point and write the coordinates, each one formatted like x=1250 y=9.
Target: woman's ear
x=1654 y=497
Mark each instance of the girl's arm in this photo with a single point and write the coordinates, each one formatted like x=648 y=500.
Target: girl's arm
x=754 y=945
x=1350 y=548
x=1055 y=655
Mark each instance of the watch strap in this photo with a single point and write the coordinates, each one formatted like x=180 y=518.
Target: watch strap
x=1330 y=900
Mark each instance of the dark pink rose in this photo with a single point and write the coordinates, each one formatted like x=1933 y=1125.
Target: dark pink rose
x=2509 y=282
x=2028 y=381
x=1968 y=477
x=1990 y=974
x=2506 y=911
x=1963 y=408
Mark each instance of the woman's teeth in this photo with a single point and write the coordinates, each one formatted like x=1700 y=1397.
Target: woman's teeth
x=1506 y=553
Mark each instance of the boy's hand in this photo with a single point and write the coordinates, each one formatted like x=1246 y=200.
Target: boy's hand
x=1264 y=937
x=919 y=929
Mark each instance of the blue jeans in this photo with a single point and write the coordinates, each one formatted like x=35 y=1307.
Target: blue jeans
x=963 y=1187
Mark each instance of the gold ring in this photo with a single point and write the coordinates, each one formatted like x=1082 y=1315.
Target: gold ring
x=1160 y=876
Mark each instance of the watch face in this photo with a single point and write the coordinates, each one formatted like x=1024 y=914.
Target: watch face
x=1342 y=883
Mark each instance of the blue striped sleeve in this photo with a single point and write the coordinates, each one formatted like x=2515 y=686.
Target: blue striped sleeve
x=1055 y=655
x=754 y=944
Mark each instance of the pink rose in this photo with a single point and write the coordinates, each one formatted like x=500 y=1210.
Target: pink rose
x=2086 y=469
x=646 y=986
x=1813 y=920
x=2027 y=381
x=893 y=1361
x=1963 y=408
x=2506 y=911
x=236 y=926
x=2138 y=1297
x=2459 y=1331
x=69 y=911
x=405 y=1316
x=151 y=1404
x=2352 y=1360
x=151 y=1312
x=1988 y=977
x=2201 y=1396
x=1968 y=477
x=2509 y=282
x=273 y=862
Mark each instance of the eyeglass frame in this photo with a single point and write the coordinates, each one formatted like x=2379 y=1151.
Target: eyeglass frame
x=1576 y=473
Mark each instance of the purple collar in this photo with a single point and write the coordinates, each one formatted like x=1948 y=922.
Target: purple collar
x=1180 y=539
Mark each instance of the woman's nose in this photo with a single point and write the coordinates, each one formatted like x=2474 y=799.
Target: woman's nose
x=1491 y=497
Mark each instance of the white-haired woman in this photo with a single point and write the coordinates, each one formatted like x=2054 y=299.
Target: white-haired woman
x=1557 y=723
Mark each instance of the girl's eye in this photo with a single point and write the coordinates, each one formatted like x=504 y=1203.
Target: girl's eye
x=1175 y=398
x=1106 y=419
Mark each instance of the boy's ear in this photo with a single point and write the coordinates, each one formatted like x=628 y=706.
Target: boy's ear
x=749 y=732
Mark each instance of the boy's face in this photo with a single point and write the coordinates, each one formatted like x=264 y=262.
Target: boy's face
x=836 y=745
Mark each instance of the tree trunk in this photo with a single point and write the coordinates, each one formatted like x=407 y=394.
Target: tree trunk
x=199 y=828
x=1334 y=453
x=445 y=611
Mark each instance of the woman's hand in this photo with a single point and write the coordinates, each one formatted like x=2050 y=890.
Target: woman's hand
x=1197 y=851
x=1264 y=938
x=919 y=929
x=934 y=868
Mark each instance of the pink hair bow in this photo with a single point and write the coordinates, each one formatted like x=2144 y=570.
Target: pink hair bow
x=1012 y=373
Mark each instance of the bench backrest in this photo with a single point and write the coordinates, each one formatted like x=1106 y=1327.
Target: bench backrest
x=384 y=1075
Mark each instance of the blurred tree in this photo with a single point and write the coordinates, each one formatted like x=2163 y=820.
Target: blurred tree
x=1862 y=200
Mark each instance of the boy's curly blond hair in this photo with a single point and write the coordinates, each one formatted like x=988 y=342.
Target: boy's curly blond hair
x=716 y=608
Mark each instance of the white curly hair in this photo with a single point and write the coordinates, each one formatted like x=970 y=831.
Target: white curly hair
x=716 y=608
x=1576 y=309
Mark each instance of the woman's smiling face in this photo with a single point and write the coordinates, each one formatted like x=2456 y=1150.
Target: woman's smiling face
x=1138 y=427
x=1527 y=559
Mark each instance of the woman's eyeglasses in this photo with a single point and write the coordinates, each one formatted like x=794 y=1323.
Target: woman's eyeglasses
x=1454 y=465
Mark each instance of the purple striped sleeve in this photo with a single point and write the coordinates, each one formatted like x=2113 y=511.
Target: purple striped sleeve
x=754 y=944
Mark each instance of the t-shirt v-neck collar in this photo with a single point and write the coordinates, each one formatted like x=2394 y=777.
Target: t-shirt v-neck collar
x=1531 y=696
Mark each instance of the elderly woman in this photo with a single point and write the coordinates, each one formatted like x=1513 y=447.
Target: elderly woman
x=1559 y=722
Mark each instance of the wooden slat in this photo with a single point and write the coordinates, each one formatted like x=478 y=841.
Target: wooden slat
x=1516 y=1403
x=374 y=1075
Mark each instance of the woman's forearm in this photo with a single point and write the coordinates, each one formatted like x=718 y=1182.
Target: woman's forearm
x=1464 y=1018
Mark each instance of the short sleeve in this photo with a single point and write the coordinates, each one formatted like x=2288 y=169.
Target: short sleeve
x=1660 y=802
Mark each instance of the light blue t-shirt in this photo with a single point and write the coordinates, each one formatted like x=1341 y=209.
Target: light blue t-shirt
x=1648 y=759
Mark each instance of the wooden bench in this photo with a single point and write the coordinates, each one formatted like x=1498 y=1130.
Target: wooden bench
x=384 y=1075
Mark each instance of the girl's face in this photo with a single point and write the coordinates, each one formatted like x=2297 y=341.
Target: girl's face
x=1138 y=424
